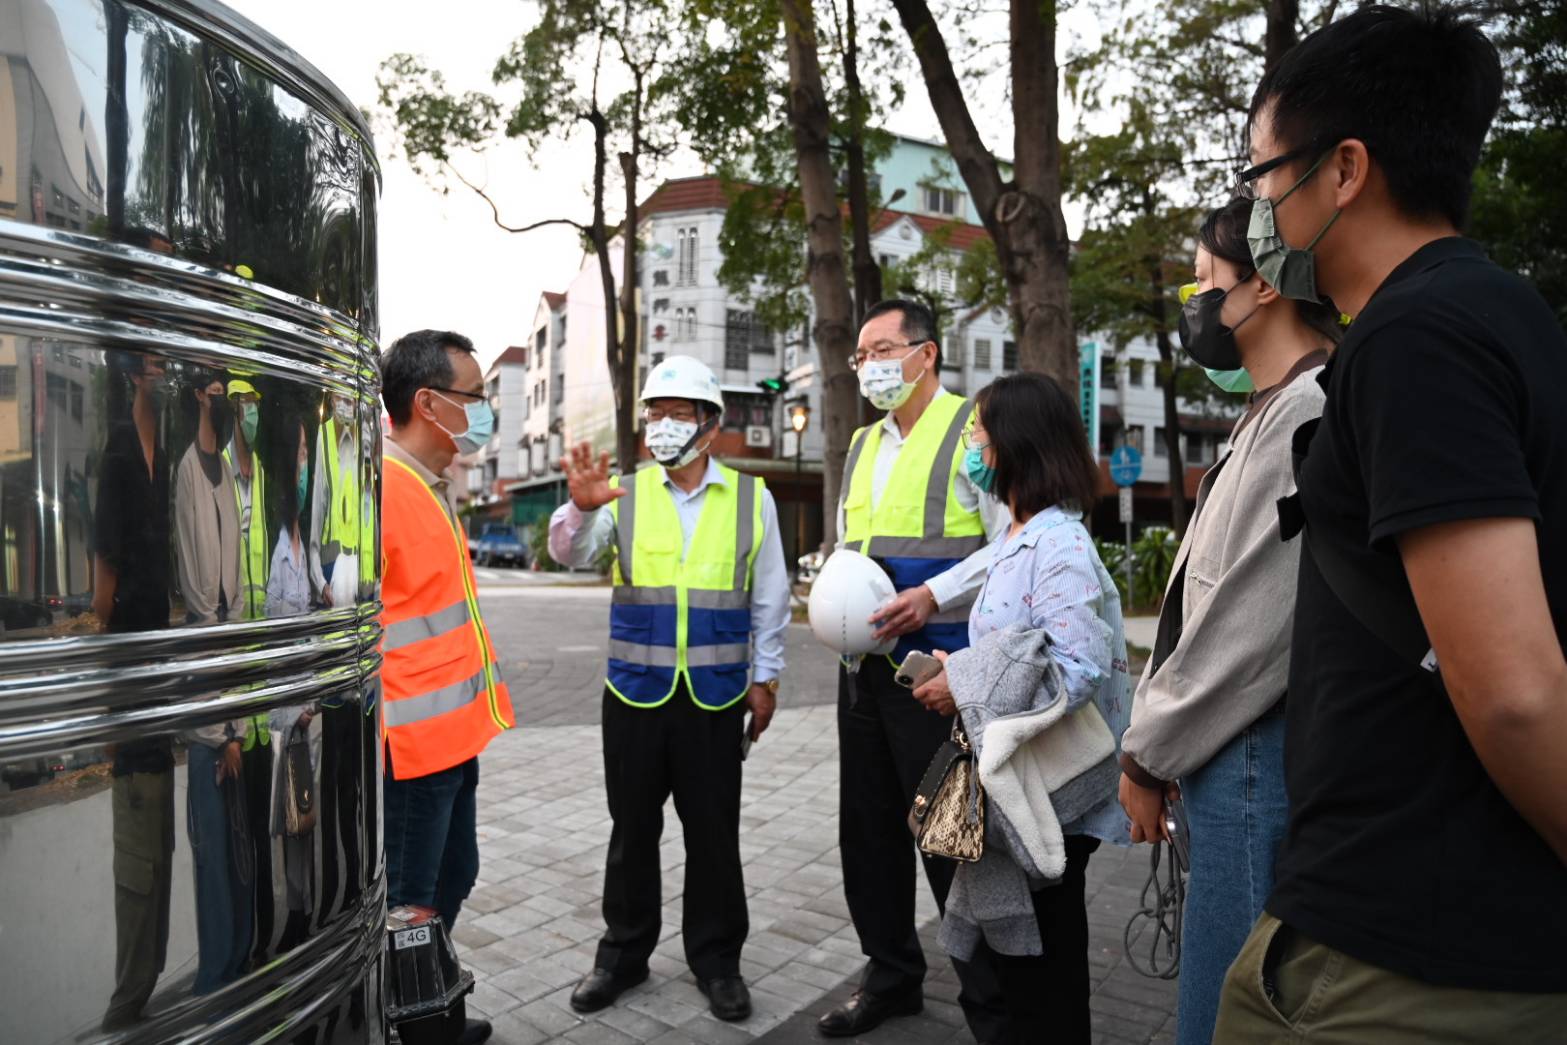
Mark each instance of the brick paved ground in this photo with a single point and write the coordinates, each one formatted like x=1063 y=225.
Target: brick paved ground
x=530 y=927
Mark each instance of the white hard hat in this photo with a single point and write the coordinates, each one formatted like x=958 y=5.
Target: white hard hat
x=849 y=588
x=681 y=377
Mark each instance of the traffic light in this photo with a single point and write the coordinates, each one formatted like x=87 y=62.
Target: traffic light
x=773 y=385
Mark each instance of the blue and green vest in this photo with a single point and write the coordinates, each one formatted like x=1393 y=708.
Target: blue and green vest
x=683 y=614
x=918 y=528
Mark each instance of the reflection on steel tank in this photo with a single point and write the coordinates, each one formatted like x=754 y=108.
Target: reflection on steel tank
x=189 y=757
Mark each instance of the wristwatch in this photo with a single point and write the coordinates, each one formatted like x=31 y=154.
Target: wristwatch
x=771 y=685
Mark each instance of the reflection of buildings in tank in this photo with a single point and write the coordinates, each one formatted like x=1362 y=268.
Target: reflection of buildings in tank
x=51 y=158
x=50 y=425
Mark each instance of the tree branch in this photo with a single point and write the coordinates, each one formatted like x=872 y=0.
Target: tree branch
x=495 y=212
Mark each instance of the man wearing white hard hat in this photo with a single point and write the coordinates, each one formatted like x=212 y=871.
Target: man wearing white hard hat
x=696 y=626
x=908 y=504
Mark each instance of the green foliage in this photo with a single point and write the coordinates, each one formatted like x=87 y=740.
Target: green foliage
x=539 y=548
x=1153 y=557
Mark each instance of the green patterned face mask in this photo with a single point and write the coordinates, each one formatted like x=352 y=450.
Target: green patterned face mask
x=1290 y=271
x=1231 y=380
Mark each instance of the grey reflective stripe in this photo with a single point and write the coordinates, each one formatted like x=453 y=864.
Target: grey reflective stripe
x=436 y=702
x=625 y=526
x=703 y=599
x=630 y=595
x=416 y=629
x=940 y=475
x=745 y=528
x=641 y=653
x=928 y=547
x=710 y=656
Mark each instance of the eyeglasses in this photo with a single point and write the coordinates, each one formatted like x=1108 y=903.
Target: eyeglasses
x=685 y=415
x=971 y=441
x=456 y=392
x=1246 y=177
x=880 y=351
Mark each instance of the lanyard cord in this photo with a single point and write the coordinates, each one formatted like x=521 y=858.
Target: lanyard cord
x=1163 y=903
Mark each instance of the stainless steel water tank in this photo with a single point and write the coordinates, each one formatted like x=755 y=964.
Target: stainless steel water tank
x=189 y=466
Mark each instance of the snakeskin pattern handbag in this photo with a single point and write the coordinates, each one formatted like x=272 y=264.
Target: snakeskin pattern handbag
x=948 y=814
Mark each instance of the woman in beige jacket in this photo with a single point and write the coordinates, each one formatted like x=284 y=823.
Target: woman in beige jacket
x=1208 y=713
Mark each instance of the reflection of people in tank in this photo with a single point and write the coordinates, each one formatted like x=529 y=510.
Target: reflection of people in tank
x=207 y=530
x=131 y=593
x=206 y=509
x=334 y=530
x=244 y=460
x=288 y=589
x=296 y=809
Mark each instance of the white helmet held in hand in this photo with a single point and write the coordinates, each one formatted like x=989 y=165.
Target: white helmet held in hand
x=682 y=377
x=848 y=590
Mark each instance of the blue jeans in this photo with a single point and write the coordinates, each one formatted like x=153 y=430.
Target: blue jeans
x=432 y=839
x=1237 y=811
x=224 y=898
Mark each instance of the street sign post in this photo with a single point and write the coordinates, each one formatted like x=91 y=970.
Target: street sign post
x=1126 y=465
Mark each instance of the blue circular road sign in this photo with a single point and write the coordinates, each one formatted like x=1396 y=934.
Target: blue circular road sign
x=1126 y=464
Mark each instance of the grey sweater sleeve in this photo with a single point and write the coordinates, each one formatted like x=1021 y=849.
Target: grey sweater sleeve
x=1232 y=661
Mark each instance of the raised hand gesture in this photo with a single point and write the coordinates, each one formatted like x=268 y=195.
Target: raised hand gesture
x=588 y=479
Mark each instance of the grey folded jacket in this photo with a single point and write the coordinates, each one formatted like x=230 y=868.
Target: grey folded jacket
x=1008 y=686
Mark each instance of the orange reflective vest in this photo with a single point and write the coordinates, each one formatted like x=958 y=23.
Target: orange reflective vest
x=444 y=698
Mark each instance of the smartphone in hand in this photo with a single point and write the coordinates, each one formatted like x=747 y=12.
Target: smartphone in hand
x=747 y=738
x=916 y=670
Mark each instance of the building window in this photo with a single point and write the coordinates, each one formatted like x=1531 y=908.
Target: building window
x=1109 y=375
x=1137 y=375
x=661 y=277
x=77 y=394
x=952 y=354
x=1109 y=438
x=54 y=390
x=745 y=409
x=560 y=392
x=7 y=382
x=658 y=357
x=982 y=353
x=1009 y=356
x=685 y=269
x=1158 y=442
x=744 y=335
x=941 y=201
x=946 y=281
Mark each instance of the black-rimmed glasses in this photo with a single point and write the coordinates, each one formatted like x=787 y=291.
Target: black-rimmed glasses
x=1246 y=177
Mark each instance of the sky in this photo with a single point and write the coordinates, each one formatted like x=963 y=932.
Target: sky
x=444 y=263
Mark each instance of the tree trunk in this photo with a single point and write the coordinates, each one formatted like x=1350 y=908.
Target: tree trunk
x=598 y=235
x=867 y=274
x=623 y=370
x=1023 y=216
x=1180 y=511
x=834 y=330
x=1280 y=34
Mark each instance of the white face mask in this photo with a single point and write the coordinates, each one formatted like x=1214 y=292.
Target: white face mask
x=667 y=438
x=881 y=381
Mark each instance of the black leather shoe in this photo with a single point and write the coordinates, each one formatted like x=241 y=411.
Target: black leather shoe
x=600 y=988
x=474 y=1032
x=728 y=997
x=865 y=1012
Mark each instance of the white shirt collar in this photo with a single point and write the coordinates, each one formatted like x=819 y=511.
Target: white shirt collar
x=890 y=423
x=713 y=475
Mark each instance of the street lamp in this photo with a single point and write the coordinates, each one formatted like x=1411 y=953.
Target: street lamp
x=799 y=417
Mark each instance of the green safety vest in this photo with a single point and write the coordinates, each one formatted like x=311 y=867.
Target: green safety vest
x=255 y=550
x=341 y=526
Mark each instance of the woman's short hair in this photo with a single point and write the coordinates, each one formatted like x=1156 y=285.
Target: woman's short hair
x=1038 y=445
x=1223 y=234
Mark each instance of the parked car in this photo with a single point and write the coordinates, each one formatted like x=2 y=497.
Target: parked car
x=498 y=543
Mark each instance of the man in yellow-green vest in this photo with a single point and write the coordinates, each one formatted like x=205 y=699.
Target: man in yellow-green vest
x=697 y=619
x=906 y=503
x=255 y=563
x=335 y=531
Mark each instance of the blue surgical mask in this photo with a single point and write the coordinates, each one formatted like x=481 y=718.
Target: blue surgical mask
x=302 y=485
x=481 y=425
x=979 y=473
x=1231 y=380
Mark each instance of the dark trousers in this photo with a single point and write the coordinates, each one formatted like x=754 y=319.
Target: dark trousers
x=886 y=740
x=683 y=750
x=1047 y=996
x=432 y=839
x=143 y=817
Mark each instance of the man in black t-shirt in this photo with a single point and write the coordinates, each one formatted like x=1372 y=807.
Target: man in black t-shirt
x=1421 y=891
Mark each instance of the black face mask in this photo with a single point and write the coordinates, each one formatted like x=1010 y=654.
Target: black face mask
x=222 y=420
x=1204 y=335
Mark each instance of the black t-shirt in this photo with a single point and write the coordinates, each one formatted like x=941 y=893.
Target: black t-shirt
x=131 y=530
x=1446 y=401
